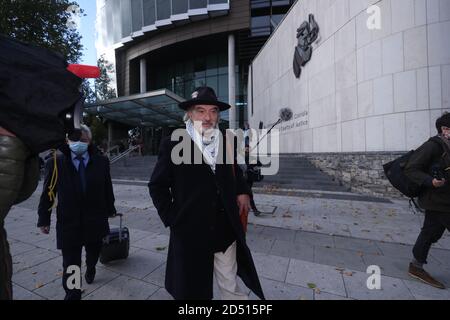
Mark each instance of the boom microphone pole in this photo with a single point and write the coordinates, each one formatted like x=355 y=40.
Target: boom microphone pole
x=284 y=116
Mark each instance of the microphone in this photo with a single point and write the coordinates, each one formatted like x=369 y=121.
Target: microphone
x=286 y=114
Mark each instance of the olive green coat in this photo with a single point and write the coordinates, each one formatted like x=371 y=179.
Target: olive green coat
x=19 y=176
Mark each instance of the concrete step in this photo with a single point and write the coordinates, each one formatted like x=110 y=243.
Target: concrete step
x=294 y=173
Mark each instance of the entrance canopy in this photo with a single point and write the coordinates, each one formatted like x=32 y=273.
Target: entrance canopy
x=151 y=109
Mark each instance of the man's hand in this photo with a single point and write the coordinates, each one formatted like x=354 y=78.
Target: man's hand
x=438 y=183
x=243 y=202
x=45 y=229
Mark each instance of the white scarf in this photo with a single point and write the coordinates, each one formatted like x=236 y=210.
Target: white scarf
x=209 y=145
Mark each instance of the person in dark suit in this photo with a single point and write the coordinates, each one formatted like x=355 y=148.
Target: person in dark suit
x=205 y=203
x=85 y=201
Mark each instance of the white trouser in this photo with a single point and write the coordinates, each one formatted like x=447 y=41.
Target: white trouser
x=225 y=271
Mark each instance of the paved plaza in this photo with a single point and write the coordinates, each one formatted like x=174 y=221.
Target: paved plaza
x=307 y=246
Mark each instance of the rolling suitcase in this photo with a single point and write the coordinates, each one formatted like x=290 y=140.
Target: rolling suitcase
x=116 y=244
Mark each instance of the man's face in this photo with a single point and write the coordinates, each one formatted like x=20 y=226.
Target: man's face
x=207 y=115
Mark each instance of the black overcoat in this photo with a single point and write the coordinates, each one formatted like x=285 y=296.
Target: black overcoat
x=184 y=195
x=80 y=218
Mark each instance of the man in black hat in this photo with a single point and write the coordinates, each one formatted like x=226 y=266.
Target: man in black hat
x=429 y=167
x=203 y=204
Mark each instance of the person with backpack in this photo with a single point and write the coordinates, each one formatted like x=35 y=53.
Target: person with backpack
x=429 y=167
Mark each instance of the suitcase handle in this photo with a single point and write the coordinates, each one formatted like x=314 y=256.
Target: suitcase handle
x=120 y=225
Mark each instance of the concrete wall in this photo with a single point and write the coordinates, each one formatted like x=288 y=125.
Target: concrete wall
x=363 y=90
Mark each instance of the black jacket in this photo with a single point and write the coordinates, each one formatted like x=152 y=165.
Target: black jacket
x=185 y=196
x=430 y=161
x=80 y=218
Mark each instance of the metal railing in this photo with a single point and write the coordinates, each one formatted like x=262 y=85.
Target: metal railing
x=123 y=154
x=116 y=147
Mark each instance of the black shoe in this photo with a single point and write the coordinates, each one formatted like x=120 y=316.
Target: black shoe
x=256 y=213
x=90 y=275
x=421 y=274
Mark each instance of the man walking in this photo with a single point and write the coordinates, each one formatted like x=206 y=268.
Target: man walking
x=85 y=200
x=203 y=204
x=429 y=167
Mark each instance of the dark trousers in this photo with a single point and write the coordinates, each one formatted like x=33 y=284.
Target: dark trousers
x=72 y=256
x=5 y=266
x=252 y=201
x=433 y=228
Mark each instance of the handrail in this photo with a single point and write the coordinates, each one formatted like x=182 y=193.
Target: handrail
x=113 y=148
x=123 y=154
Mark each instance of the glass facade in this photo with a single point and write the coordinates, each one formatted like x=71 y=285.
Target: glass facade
x=125 y=10
x=183 y=76
x=197 y=4
x=163 y=9
x=137 y=15
x=180 y=6
x=266 y=15
x=122 y=18
x=149 y=9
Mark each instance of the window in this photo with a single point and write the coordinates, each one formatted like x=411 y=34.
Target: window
x=199 y=67
x=211 y=65
x=116 y=21
x=137 y=14
x=125 y=10
x=197 y=4
x=149 y=12
x=223 y=86
x=180 y=6
x=217 y=1
x=163 y=9
x=261 y=26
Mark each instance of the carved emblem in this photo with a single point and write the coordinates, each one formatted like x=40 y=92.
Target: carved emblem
x=306 y=35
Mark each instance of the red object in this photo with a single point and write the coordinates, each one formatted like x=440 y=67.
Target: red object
x=84 y=71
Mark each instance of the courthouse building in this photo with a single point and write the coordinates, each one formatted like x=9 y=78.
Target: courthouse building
x=371 y=89
x=374 y=86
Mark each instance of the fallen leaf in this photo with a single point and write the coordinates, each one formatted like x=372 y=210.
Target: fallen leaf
x=317 y=291
x=34 y=272
x=348 y=273
x=160 y=248
x=39 y=285
x=311 y=285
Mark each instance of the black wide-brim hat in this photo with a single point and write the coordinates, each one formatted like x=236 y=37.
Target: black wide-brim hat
x=204 y=95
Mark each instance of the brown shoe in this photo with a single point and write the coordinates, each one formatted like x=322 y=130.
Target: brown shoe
x=422 y=275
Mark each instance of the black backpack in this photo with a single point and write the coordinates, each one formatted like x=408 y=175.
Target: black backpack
x=394 y=172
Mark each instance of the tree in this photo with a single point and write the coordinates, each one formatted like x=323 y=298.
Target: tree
x=103 y=90
x=45 y=23
x=88 y=93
